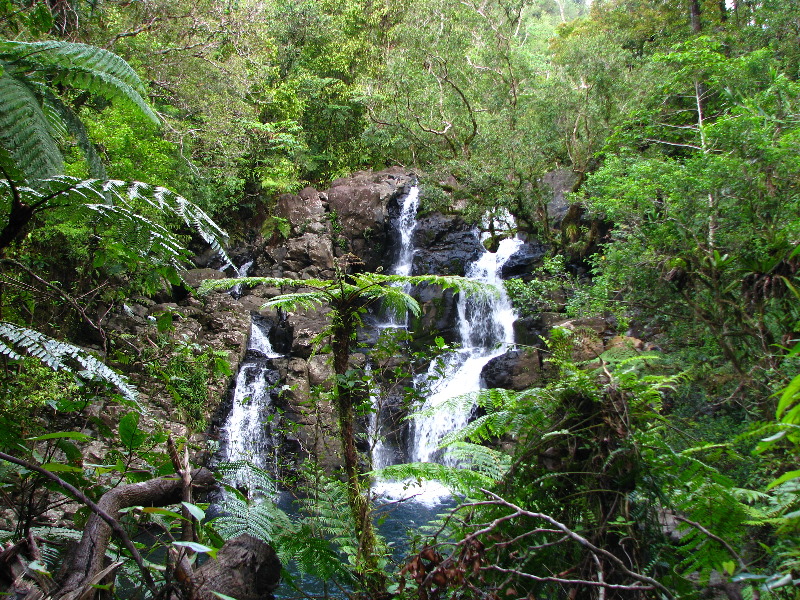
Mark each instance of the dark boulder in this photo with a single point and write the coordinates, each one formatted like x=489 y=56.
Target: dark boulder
x=445 y=245
x=524 y=261
x=515 y=370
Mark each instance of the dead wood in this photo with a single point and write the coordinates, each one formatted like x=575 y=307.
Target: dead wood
x=88 y=558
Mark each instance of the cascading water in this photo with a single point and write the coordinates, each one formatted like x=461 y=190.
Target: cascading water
x=382 y=454
x=249 y=428
x=406 y=224
x=486 y=330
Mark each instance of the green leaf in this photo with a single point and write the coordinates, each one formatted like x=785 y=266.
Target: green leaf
x=72 y=435
x=222 y=596
x=788 y=396
x=784 y=478
x=212 y=552
x=61 y=468
x=729 y=567
x=129 y=433
x=197 y=512
x=155 y=510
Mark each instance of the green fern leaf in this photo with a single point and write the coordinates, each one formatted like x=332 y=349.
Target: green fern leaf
x=59 y=355
x=25 y=131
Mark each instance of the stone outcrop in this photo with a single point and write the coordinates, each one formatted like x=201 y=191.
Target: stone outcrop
x=445 y=245
x=515 y=370
x=560 y=182
x=524 y=260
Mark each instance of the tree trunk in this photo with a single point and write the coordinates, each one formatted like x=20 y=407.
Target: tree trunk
x=694 y=16
x=359 y=504
x=245 y=568
x=89 y=558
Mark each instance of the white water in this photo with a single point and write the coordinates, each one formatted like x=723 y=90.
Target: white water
x=406 y=224
x=249 y=429
x=486 y=330
x=382 y=454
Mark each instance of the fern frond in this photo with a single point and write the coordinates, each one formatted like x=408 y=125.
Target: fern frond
x=297 y=300
x=481 y=429
x=480 y=459
x=93 y=69
x=218 y=285
x=395 y=300
x=453 y=282
x=114 y=201
x=460 y=480
x=63 y=116
x=25 y=130
x=59 y=355
x=260 y=519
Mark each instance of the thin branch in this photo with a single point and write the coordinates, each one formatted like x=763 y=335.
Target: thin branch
x=716 y=538
x=692 y=146
x=601 y=584
x=111 y=521
x=578 y=538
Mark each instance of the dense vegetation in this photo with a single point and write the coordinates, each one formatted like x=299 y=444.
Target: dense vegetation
x=671 y=474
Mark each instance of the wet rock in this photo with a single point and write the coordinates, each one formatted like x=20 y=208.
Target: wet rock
x=303 y=211
x=194 y=277
x=305 y=326
x=320 y=371
x=515 y=370
x=524 y=261
x=445 y=245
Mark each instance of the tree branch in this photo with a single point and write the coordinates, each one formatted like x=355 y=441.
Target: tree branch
x=112 y=523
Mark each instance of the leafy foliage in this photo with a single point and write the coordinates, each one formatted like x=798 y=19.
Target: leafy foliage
x=30 y=121
x=59 y=355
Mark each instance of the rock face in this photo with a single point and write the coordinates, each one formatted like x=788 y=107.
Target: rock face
x=515 y=370
x=356 y=216
x=561 y=182
x=524 y=260
x=360 y=204
x=445 y=245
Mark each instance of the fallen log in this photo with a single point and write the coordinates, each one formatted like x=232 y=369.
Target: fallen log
x=88 y=559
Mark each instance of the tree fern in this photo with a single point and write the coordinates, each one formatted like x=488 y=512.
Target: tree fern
x=260 y=518
x=25 y=131
x=461 y=480
x=59 y=355
x=31 y=116
x=118 y=204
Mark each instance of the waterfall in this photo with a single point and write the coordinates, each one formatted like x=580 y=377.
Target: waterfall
x=249 y=428
x=406 y=224
x=382 y=454
x=485 y=326
x=486 y=330
x=236 y=291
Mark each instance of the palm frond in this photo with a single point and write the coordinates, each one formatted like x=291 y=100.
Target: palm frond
x=59 y=355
